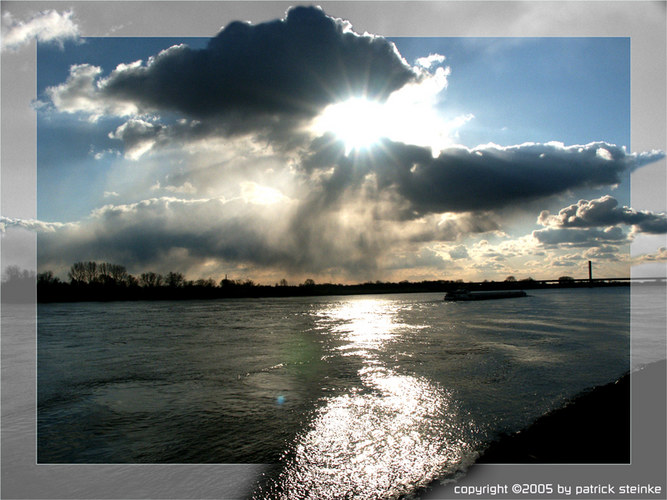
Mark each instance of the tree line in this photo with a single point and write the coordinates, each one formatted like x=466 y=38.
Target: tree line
x=92 y=273
x=105 y=274
x=93 y=281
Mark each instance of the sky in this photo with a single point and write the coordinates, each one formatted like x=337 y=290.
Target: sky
x=299 y=148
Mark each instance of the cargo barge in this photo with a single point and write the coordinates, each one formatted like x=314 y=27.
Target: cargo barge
x=465 y=295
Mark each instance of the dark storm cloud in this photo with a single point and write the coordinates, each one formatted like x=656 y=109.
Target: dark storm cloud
x=493 y=177
x=294 y=66
x=480 y=179
x=147 y=231
x=162 y=230
x=604 y=211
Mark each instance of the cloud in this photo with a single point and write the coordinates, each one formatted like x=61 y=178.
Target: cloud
x=233 y=124
x=48 y=26
x=138 y=136
x=484 y=178
x=519 y=247
x=596 y=223
x=603 y=252
x=424 y=258
x=430 y=60
x=80 y=93
x=261 y=229
x=273 y=78
x=439 y=228
x=249 y=77
x=260 y=195
x=659 y=256
x=185 y=188
x=569 y=260
x=231 y=233
x=147 y=232
x=580 y=237
x=410 y=114
x=459 y=252
x=32 y=225
x=604 y=211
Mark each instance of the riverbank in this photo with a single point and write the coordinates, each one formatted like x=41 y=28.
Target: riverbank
x=98 y=292
x=593 y=427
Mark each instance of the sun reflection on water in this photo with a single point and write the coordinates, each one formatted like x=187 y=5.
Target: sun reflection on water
x=383 y=438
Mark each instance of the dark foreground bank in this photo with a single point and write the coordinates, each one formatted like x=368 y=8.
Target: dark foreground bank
x=594 y=427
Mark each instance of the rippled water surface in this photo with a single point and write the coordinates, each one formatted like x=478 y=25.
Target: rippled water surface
x=372 y=396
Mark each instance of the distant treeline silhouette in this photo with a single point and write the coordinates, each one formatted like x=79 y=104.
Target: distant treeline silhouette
x=92 y=281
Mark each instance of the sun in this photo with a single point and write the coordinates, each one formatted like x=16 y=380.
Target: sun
x=412 y=115
x=408 y=115
x=358 y=122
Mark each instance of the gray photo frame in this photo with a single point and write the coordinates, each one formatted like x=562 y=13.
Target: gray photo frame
x=22 y=477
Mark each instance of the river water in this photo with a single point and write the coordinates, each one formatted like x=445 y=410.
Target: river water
x=368 y=396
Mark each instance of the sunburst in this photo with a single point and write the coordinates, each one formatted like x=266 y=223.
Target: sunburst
x=358 y=122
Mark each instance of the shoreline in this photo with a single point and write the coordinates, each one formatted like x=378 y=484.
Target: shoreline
x=64 y=292
x=580 y=432
x=592 y=427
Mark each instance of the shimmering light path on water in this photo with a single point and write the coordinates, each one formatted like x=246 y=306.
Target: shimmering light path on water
x=389 y=434
x=370 y=396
